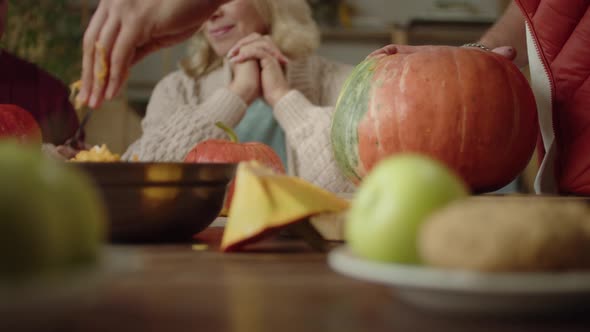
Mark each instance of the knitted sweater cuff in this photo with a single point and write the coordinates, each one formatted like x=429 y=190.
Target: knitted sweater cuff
x=293 y=110
x=225 y=103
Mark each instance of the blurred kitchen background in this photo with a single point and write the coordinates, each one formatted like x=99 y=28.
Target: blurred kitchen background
x=351 y=29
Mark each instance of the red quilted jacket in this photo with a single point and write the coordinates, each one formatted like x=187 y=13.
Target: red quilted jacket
x=561 y=32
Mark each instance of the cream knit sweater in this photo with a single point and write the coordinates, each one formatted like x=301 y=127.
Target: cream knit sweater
x=182 y=112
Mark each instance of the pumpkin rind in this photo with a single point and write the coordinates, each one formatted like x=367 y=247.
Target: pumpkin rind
x=266 y=201
x=351 y=106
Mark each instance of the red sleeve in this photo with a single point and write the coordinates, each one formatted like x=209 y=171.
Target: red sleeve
x=562 y=31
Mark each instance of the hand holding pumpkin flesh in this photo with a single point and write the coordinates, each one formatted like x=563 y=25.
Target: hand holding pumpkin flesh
x=128 y=30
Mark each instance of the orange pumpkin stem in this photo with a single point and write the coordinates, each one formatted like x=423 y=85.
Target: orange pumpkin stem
x=230 y=132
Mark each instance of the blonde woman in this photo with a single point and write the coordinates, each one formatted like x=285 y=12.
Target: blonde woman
x=253 y=69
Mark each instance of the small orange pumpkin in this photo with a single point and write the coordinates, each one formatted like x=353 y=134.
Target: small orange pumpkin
x=232 y=151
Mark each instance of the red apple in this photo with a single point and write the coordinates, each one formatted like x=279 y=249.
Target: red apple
x=15 y=122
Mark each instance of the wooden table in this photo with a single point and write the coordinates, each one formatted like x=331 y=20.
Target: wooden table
x=281 y=286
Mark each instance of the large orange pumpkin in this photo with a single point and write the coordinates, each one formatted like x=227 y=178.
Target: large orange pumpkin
x=15 y=122
x=471 y=109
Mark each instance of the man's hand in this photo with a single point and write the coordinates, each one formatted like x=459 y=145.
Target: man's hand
x=506 y=51
x=122 y=32
x=384 y=51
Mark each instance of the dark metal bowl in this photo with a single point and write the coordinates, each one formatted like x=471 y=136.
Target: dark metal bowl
x=160 y=201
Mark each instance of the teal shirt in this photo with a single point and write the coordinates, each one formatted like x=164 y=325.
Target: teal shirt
x=259 y=125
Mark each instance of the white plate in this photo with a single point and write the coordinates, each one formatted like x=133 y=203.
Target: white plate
x=471 y=292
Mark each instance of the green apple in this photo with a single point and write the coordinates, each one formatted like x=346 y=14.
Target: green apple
x=83 y=217
x=51 y=215
x=29 y=240
x=393 y=201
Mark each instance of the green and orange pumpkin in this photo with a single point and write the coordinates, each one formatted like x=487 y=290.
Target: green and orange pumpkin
x=471 y=109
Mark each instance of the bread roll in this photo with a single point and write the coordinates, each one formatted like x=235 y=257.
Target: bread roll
x=508 y=234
